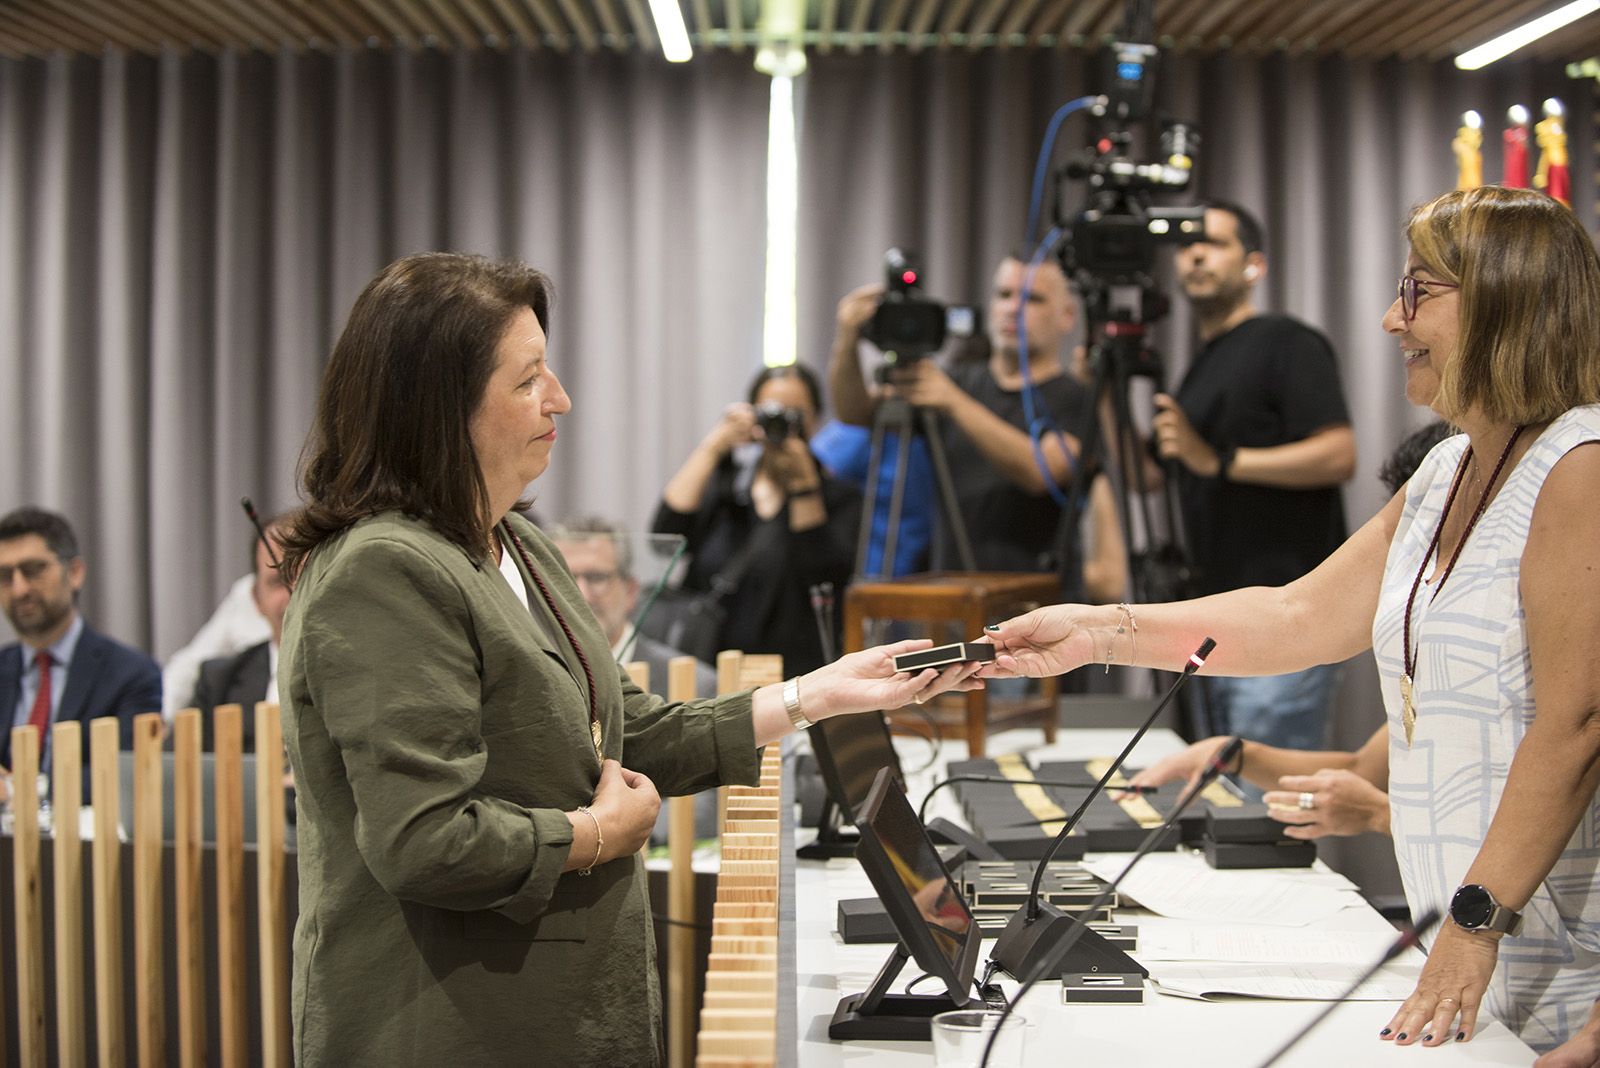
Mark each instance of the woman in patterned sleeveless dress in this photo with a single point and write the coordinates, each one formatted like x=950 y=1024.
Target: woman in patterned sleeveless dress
x=1476 y=588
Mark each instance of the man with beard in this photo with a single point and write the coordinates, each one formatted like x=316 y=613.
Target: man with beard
x=1262 y=440
x=61 y=669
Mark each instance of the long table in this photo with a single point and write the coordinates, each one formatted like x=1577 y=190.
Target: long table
x=1163 y=1030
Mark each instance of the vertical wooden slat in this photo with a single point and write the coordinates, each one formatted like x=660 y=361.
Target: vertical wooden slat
x=190 y=889
x=729 y=665
x=31 y=996
x=276 y=1045
x=227 y=729
x=639 y=672
x=106 y=795
x=66 y=787
x=148 y=955
x=680 y=896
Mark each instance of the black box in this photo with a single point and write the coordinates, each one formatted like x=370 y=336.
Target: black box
x=1102 y=988
x=863 y=920
x=1248 y=822
x=1229 y=855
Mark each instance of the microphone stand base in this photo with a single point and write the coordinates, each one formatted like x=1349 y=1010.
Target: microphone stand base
x=1022 y=947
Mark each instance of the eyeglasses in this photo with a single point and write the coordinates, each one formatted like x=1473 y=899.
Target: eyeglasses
x=1410 y=288
x=32 y=571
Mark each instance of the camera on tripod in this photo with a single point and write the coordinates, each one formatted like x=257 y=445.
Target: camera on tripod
x=778 y=423
x=907 y=324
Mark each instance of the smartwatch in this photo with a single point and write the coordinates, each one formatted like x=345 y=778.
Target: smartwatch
x=1474 y=909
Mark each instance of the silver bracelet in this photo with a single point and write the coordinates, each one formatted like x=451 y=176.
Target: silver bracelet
x=791 y=704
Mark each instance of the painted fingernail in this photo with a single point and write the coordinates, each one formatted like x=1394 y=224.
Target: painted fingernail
x=1384 y=1033
x=1427 y=1038
x=993 y=627
x=1401 y=1036
x=1461 y=1036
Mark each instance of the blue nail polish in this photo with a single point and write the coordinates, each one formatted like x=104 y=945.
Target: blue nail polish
x=1384 y=1033
x=1427 y=1038
x=1401 y=1036
x=1461 y=1036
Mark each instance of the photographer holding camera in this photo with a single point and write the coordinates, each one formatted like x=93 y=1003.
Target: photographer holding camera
x=1000 y=490
x=764 y=522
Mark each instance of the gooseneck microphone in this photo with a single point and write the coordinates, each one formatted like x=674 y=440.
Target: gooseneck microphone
x=1409 y=937
x=1038 y=926
x=261 y=532
x=1051 y=957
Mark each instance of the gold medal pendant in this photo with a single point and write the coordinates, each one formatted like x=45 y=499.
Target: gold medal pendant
x=1408 y=710
x=594 y=731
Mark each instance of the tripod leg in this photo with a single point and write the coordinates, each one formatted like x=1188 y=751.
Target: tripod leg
x=947 y=490
x=897 y=492
x=869 y=511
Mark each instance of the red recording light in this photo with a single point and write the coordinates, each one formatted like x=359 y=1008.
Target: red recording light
x=1104 y=146
x=909 y=277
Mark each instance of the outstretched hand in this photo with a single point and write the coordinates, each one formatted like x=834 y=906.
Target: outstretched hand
x=867 y=680
x=1046 y=641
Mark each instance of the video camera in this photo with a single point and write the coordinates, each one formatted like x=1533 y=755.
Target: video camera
x=908 y=325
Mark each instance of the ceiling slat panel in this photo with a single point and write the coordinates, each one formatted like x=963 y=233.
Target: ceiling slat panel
x=1290 y=23
x=297 y=32
x=393 y=25
x=236 y=31
x=323 y=23
x=702 y=18
x=735 y=14
x=644 y=30
x=953 y=16
x=272 y=29
x=196 y=32
x=1215 y=15
x=1477 y=30
x=1427 y=30
x=609 y=23
x=56 y=31
x=555 y=30
x=32 y=39
x=119 y=27
x=1107 y=21
x=984 y=21
x=922 y=22
x=343 y=19
x=1578 y=41
x=893 y=18
x=1017 y=18
x=1245 y=25
x=1079 y=19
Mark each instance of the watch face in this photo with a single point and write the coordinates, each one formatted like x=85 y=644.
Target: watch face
x=1472 y=906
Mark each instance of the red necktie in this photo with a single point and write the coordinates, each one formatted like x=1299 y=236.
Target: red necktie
x=40 y=717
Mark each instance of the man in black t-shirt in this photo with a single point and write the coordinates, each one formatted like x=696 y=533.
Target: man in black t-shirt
x=1262 y=436
x=1001 y=490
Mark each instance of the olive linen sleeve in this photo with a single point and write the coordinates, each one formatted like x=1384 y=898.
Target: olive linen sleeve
x=689 y=747
x=391 y=664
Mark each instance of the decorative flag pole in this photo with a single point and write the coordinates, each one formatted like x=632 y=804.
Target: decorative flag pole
x=1551 y=133
x=1468 y=147
x=1516 y=148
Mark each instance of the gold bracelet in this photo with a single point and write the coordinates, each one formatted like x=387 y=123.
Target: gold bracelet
x=599 y=840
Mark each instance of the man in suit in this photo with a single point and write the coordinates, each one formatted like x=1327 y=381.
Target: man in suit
x=251 y=675
x=600 y=559
x=60 y=669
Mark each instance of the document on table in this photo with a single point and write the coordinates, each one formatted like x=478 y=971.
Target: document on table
x=1298 y=982
x=1184 y=886
x=1160 y=940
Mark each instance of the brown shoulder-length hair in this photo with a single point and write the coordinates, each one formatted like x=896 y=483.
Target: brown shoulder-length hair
x=392 y=422
x=1528 y=335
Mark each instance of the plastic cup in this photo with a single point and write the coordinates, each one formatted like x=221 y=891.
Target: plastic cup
x=959 y=1039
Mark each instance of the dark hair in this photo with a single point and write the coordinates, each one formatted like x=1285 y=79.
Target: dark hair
x=806 y=375
x=1402 y=463
x=1251 y=234
x=392 y=425
x=54 y=529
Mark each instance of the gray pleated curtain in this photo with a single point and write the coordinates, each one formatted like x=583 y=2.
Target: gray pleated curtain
x=181 y=237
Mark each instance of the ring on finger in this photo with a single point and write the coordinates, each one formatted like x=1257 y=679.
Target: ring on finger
x=1308 y=800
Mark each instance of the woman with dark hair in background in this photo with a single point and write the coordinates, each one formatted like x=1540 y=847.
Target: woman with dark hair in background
x=1476 y=589
x=763 y=520
x=476 y=775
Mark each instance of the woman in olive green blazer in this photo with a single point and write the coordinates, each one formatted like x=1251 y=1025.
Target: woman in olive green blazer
x=475 y=774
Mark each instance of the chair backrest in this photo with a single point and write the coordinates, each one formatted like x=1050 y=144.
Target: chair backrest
x=208 y=794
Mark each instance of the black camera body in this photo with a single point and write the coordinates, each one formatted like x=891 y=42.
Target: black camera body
x=907 y=324
x=779 y=423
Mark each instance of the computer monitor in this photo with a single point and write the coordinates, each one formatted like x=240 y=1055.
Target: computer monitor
x=850 y=752
x=208 y=795
x=934 y=924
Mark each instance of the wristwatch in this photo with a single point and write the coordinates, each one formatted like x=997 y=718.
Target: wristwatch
x=1474 y=909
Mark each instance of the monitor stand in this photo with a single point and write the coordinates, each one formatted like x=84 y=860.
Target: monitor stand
x=832 y=841
x=877 y=1014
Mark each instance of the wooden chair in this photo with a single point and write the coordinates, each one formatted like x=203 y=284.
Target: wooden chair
x=971 y=600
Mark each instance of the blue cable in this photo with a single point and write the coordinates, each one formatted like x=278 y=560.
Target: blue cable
x=1039 y=425
x=1046 y=150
